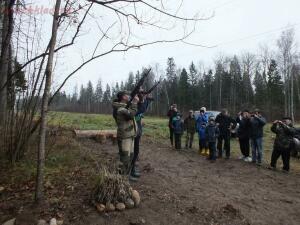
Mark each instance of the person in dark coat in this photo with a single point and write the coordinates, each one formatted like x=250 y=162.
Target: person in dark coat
x=225 y=124
x=190 y=127
x=243 y=134
x=212 y=134
x=142 y=106
x=171 y=114
x=178 y=127
x=256 y=136
x=283 y=143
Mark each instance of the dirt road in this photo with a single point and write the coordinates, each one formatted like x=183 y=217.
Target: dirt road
x=181 y=187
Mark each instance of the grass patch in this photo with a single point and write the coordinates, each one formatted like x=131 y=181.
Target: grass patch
x=155 y=128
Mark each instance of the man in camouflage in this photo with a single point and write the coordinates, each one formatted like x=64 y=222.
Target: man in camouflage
x=285 y=132
x=126 y=131
x=190 y=127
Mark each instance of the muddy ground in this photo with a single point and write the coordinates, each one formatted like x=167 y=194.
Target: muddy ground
x=177 y=187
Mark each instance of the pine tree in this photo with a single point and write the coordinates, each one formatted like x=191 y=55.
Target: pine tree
x=130 y=82
x=275 y=90
x=183 y=90
x=172 y=81
x=260 y=95
x=208 y=86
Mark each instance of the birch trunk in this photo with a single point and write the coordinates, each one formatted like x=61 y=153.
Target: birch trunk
x=39 y=194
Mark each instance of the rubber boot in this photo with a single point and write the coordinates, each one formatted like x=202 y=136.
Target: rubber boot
x=207 y=152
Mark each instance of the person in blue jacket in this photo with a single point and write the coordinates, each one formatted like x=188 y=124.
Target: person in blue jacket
x=142 y=106
x=202 y=121
x=178 y=126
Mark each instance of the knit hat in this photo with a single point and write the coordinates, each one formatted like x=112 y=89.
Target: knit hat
x=121 y=94
x=203 y=109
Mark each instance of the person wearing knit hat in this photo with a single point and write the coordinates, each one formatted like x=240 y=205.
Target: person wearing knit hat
x=203 y=109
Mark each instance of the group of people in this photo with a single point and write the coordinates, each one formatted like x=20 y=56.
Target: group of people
x=215 y=134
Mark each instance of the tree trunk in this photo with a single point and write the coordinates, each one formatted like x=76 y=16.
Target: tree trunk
x=39 y=194
x=7 y=30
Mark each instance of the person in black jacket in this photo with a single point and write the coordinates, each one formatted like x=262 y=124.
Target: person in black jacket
x=283 y=143
x=142 y=106
x=256 y=136
x=225 y=124
x=212 y=133
x=171 y=114
x=243 y=135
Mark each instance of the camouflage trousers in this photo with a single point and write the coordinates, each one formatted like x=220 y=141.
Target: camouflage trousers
x=126 y=147
x=189 y=139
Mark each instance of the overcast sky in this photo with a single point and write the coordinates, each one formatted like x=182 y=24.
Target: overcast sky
x=238 y=26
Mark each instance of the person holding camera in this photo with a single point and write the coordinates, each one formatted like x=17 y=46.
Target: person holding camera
x=243 y=135
x=283 y=143
x=256 y=136
x=225 y=124
x=171 y=114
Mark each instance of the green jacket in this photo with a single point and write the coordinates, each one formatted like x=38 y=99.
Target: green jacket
x=284 y=135
x=190 y=124
x=125 y=120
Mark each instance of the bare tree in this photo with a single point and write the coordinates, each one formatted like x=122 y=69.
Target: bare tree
x=7 y=30
x=286 y=45
x=39 y=194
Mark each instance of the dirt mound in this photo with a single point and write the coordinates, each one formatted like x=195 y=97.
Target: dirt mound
x=227 y=215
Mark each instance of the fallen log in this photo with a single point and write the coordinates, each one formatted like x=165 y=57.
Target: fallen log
x=99 y=135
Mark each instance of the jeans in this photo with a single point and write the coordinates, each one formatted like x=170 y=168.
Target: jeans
x=257 y=149
x=212 y=150
x=189 y=139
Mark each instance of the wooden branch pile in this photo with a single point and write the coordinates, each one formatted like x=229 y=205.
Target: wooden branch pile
x=100 y=136
x=113 y=192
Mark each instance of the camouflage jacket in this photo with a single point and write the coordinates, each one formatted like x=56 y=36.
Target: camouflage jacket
x=190 y=124
x=125 y=120
x=284 y=135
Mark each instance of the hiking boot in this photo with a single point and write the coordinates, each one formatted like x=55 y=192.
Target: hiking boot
x=271 y=168
x=135 y=174
x=259 y=164
x=133 y=179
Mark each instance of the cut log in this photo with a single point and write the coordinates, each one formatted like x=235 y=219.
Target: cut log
x=99 y=135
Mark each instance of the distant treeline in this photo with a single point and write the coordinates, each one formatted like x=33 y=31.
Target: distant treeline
x=268 y=80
